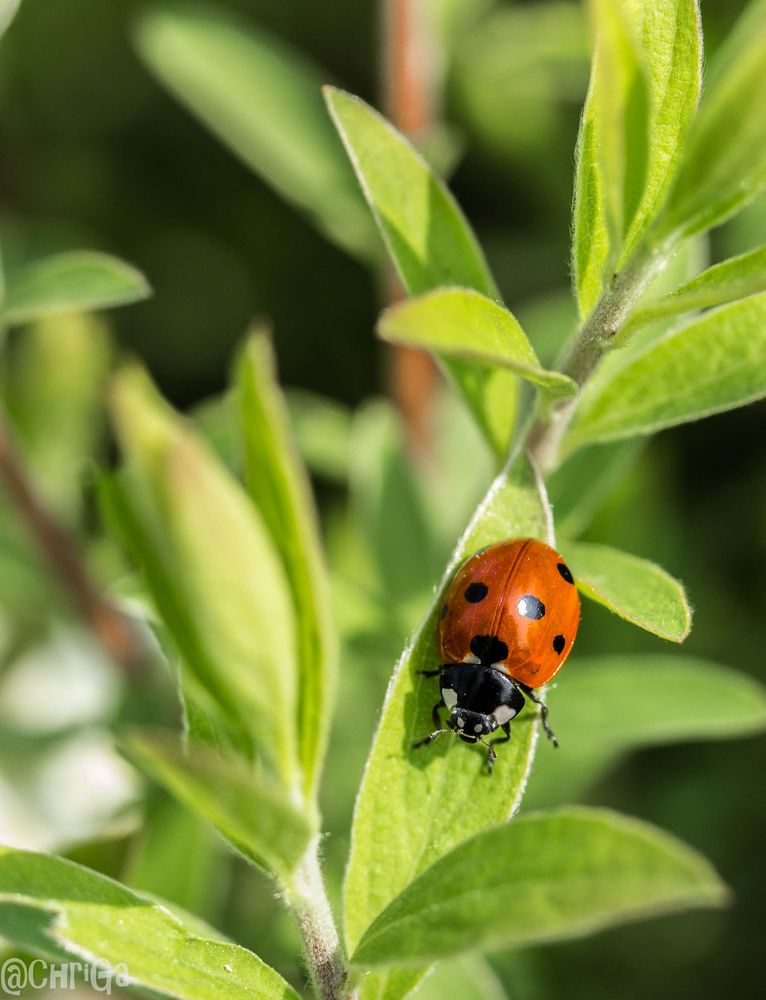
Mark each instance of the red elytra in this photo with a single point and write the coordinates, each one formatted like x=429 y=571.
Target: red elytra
x=513 y=606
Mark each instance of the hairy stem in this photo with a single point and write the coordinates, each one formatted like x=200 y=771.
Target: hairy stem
x=57 y=547
x=594 y=339
x=321 y=943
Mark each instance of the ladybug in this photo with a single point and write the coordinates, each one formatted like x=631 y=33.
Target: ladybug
x=507 y=624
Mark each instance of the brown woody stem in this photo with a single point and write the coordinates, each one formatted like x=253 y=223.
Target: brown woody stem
x=59 y=550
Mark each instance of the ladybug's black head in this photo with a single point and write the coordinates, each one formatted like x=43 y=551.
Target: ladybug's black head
x=471 y=726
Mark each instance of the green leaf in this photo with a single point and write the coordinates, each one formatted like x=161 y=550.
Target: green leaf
x=247 y=807
x=8 y=10
x=263 y=100
x=427 y=236
x=635 y=589
x=458 y=322
x=163 y=605
x=725 y=282
x=80 y=281
x=53 y=906
x=543 y=877
x=612 y=149
x=714 y=363
x=170 y=831
x=414 y=805
x=724 y=166
x=390 y=506
x=605 y=707
x=428 y=239
x=580 y=486
x=469 y=977
x=55 y=378
x=212 y=570
x=281 y=491
x=671 y=49
x=590 y=233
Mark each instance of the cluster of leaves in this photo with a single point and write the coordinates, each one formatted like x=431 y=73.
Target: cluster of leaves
x=231 y=566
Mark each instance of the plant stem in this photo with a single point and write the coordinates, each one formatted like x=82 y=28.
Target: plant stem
x=58 y=548
x=594 y=339
x=411 y=81
x=321 y=943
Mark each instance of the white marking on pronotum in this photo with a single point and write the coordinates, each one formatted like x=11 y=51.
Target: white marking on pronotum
x=449 y=697
x=470 y=658
x=503 y=714
x=460 y=722
x=478 y=727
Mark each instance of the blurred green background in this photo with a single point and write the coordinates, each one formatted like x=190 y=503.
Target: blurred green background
x=96 y=153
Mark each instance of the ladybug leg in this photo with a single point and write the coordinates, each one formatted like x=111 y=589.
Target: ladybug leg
x=543 y=713
x=435 y=713
x=429 y=739
x=491 y=753
x=438 y=729
x=440 y=703
x=506 y=727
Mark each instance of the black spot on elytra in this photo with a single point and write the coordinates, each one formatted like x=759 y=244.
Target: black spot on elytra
x=530 y=607
x=565 y=572
x=489 y=649
x=558 y=643
x=443 y=612
x=476 y=592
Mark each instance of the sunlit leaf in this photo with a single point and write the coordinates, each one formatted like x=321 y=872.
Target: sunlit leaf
x=251 y=811
x=263 y=100
x=212 y=570
x=8 y=10
x=80 y=281
x=428 y=239
x=732 y=279
x=724 y=165
x=414 y=805
x=670 y=36
x=635 y=589
x=714 y=363
x=611 y=150
x=543 y=877
x=279 y=486
x=54 y=907
x=458 y=322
